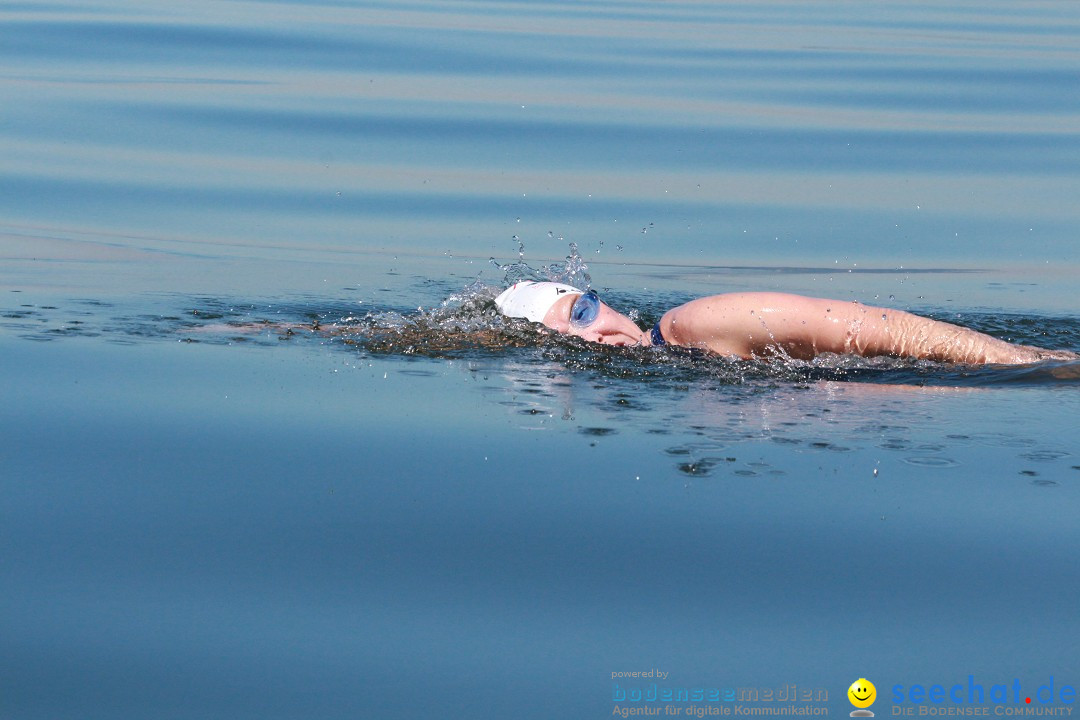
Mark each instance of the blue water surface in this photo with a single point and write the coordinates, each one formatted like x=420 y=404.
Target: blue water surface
x=213 y=507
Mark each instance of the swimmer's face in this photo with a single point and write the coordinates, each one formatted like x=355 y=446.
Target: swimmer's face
x=862 y=693
x=609 y=327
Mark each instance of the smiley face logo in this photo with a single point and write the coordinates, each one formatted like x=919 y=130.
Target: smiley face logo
x=862 y=693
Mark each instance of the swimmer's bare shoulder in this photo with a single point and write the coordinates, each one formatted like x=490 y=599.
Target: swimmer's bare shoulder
x=742 y=324
x=762 y=323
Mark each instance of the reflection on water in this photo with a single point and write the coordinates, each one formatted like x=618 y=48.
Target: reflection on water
x=805 y=133
x=725 y=407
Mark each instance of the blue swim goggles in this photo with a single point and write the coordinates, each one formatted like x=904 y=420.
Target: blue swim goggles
x=585 y=309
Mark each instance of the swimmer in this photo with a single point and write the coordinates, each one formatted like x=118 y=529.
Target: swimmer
x=763 y=324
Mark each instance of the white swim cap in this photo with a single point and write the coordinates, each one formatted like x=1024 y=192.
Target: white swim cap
x=531 y=300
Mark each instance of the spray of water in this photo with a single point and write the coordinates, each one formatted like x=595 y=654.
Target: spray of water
x=467 y=324
x=572 y=271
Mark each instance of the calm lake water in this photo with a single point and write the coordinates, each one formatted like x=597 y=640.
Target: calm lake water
x=210 y=510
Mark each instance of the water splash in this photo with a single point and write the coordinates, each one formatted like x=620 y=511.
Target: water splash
x=465 y=323
x=571 y=271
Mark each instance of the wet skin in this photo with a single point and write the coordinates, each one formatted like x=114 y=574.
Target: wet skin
x=609 y=328
x=762 y=324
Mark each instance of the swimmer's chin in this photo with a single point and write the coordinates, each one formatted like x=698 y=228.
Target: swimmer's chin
x=621 y=339
x=613 y=340
x=627 y=342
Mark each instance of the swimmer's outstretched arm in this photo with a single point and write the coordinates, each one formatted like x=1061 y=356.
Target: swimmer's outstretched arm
x=760 y=324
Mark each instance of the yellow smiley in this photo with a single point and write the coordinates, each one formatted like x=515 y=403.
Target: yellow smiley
x=862 y=693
